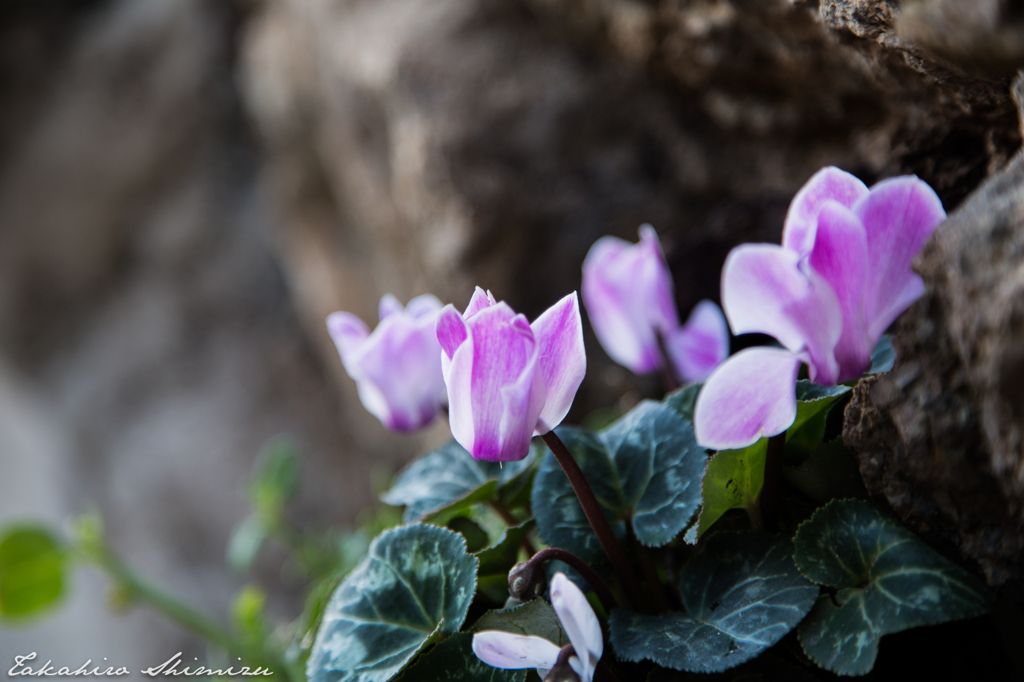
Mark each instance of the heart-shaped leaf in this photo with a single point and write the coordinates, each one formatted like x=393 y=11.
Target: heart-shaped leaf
x=535 y=617
x=415 y=584
x=448 y=479
x=742 y=594
x=646 y=467
x=32 y=566
x=887 y=580
x=453 y=660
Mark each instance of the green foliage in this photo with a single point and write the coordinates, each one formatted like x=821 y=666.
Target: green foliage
x=733 y=480
x=741 y=595
x=248 y=613
x=32 y=567
x=683 y=400
x=646 y=468
x=886 y=580
x=274 y=481
x=535 y=617
x=475 y=536
x=500 y=557
x=414 y=586
x=808 y=429
x=453 y=660
x=448 y=479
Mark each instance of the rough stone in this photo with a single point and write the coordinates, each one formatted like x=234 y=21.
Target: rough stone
x=940 y=437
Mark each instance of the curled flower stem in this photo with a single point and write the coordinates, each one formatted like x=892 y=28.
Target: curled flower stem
x=592 y=510
x=529 y=571
x=772 y=487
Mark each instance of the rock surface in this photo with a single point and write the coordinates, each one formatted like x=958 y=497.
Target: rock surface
x=941 y=437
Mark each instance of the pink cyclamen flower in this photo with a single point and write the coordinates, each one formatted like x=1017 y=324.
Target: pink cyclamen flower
x=827 y=294
x=514 y=652
x=627 y=289
x=507 y=379
x=397 y=368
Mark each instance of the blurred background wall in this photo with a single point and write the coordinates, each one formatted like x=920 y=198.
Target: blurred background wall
x=187 y=187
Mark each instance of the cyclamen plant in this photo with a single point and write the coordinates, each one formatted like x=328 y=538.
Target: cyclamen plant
x=612 y=554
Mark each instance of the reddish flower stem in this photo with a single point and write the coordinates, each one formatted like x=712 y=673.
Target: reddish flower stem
x=531 y=570
x=668 y=374
x=592 y=510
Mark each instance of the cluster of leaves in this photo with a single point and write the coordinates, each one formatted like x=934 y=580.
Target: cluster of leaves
x=840 y=573
x=400 y=597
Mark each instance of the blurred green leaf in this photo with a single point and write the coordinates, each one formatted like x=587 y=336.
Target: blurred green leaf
x=247 y=613
x=275 y=480
x=32 y=568
x=245 y=543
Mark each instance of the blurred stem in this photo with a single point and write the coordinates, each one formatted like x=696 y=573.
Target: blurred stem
x=179 y=613
x=668 y=375
x=592 y=510
x=771 y=490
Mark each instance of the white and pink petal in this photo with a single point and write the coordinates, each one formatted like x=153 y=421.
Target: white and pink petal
x=828 y=184
x=561 y=359
x=753 y=394
x=899 y=215
x=766 y=289
x=579 y=622
x=509 y=651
